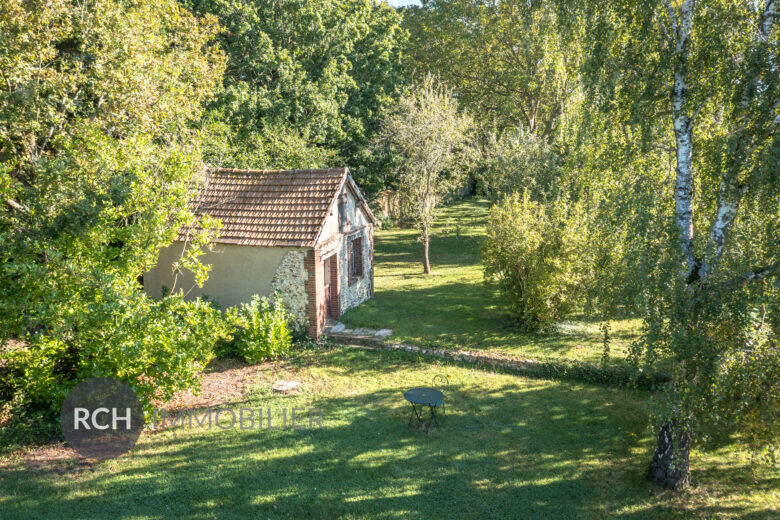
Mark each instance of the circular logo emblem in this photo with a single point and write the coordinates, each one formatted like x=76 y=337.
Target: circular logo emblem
x=101 y=418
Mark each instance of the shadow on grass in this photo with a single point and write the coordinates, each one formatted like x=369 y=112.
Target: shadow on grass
x=506 y=450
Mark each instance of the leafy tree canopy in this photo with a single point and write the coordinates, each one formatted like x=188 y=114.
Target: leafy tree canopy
x=506 y=61
x=314 y=73
x=429 y=138
x=686 y=110
x=97 y=163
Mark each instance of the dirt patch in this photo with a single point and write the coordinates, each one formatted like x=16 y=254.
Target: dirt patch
x=224 y=381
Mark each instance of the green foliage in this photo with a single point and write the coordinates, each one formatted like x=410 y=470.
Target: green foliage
x=428 y=139
x=621 y=376
x=720 y=336
x=507 y=61
x=97 y=164
x=518 y=160
x=456 y=309
x=276 y=146
x=261 y=330
x=684 y=98
x=311 y=76
x=535 y=252
x=155 y=347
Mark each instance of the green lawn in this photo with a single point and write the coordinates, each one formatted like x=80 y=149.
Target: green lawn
x=452 y=307
x=509 y=447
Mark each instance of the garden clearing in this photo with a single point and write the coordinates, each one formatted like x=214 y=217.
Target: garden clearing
x=508 y=447
x=453 y=308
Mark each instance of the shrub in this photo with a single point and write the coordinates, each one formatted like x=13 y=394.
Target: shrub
x=534 y=253
x=157 y=347
x=518 y=160
x=261 y=330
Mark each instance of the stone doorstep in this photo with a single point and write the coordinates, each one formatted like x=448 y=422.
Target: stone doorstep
x=347 y=339
x=339 y=329
x=364 y=332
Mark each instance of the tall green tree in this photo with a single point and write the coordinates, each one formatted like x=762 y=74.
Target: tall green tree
x=315 y=73
x=97 y=164
x=429 y=140
x=506 y=61
x=699 y=79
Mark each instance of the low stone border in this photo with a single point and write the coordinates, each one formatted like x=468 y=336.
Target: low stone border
x=546 y=369
x=498 y=360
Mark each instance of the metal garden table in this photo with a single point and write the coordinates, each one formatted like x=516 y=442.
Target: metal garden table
x=419 y=398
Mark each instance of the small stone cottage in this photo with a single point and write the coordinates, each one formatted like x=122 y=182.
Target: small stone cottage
x=308 y=234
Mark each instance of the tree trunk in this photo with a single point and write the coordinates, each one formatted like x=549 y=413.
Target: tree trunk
x=426 y=262
x=670 y=467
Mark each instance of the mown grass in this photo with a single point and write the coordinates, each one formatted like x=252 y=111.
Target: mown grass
x=508 y=447
x=454 y=308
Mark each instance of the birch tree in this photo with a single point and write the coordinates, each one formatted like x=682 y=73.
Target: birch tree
x=429 y=141
x=704 y=75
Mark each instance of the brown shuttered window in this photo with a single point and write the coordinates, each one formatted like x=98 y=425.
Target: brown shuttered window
x=355 y=259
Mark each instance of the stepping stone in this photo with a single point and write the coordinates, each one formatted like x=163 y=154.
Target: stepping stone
x=383 y=333
x=338 y=327
x=364 y=332
x=286 y=387
x=347 y=331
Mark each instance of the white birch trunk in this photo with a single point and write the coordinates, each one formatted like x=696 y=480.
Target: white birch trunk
x=730 y=192
x=669 y=466
x=683 y=133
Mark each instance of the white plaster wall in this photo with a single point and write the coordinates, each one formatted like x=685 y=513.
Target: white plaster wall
x=356 y=217
x=237 y=273
x=330 y=239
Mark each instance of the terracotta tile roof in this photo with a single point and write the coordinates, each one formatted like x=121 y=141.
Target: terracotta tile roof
x=269 y=207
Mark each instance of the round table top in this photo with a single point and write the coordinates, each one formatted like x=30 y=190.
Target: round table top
x=425 y=396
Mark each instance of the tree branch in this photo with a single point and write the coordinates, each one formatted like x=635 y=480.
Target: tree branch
x=664 y=30
x=731 y=191
x=729 y=199
x=758 y=274
x=672 y=17
x=15 y=205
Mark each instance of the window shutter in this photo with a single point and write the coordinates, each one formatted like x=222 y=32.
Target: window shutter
x=358 y=257
x=351 y=261
x=355 y=260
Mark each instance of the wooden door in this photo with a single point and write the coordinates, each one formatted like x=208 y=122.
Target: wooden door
x=331 y=289
x=328 y=266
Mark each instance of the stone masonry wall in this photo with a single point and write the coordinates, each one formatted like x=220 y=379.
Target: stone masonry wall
x=290 y=280
x=361 y=289
x=315 y=307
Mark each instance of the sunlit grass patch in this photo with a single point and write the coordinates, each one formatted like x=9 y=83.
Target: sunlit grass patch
x=454 y=308
x=508 y=447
